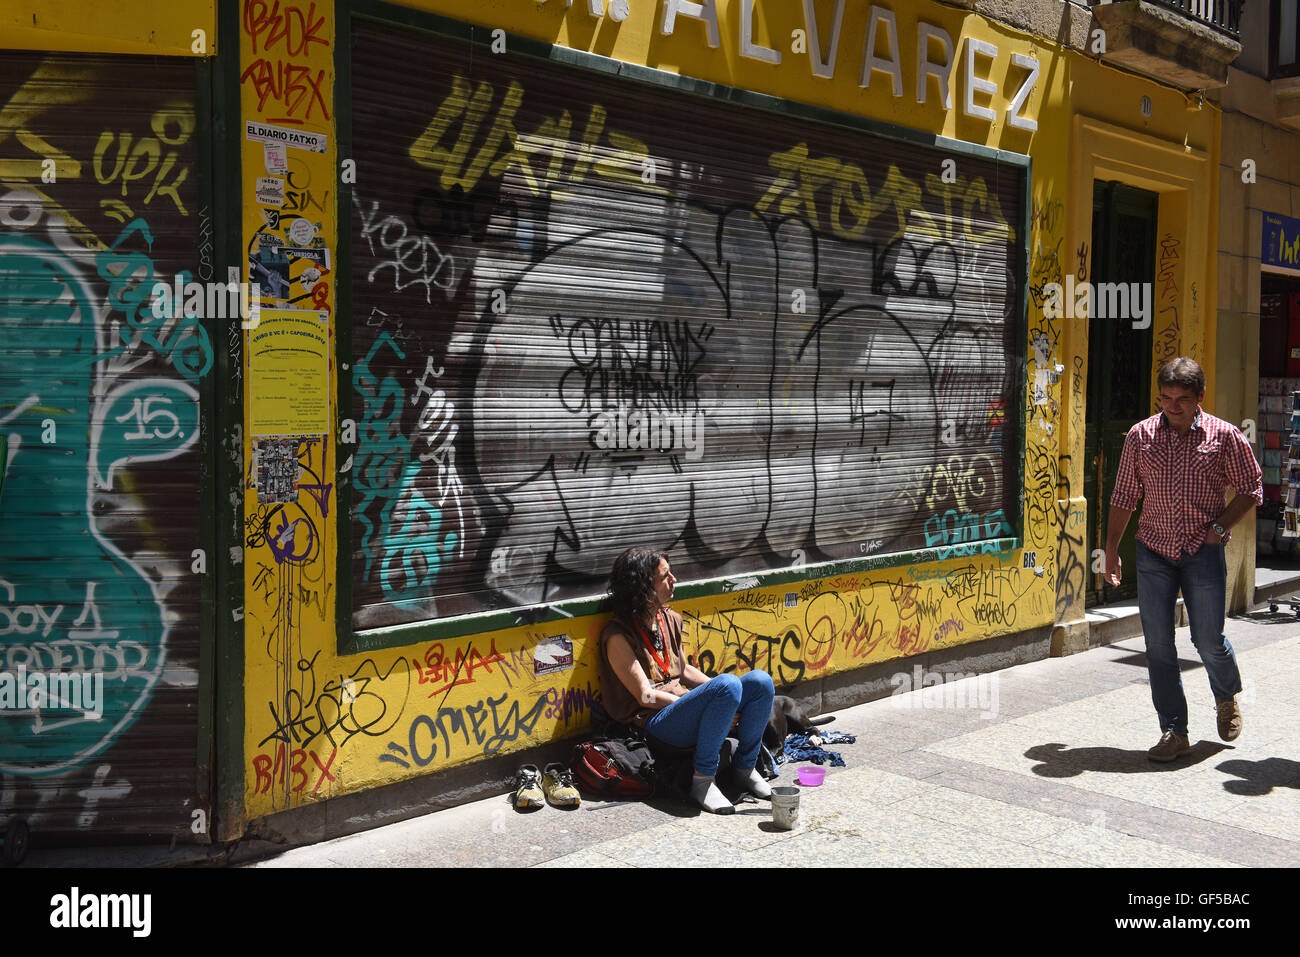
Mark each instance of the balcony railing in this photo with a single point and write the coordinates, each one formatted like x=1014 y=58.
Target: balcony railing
x=1187 y=43
x=1222 y=15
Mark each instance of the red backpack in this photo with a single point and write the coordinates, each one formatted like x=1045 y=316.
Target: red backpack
x=613 y=767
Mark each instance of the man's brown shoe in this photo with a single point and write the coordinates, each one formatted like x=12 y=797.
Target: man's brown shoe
x=1172 y=745
x=1229 y=719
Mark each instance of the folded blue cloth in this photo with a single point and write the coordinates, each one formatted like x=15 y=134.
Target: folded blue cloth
x=797 y=748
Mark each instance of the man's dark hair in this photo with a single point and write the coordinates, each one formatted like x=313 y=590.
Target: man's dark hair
x=1182 y=373
x=632 y=583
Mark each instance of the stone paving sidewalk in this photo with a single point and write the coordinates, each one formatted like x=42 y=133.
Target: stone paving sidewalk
x=1058 y=777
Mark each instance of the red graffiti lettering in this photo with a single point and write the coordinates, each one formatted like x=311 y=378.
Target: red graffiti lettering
x=437 y=668
x=908 y=640
x=862 y=638
x=297 y=30
x=299 y=758
x=287 y=85
x=269 y=770
x=262 y=769
x=320 y=297
x=324 y=769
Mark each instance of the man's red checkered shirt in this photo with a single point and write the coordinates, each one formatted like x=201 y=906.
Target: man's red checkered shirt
x=1181 y=479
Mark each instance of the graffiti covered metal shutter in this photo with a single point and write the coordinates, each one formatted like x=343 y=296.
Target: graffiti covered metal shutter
x=99 y=511
x=590 y=314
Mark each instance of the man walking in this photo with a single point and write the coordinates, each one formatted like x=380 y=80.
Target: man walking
x=1179 y=462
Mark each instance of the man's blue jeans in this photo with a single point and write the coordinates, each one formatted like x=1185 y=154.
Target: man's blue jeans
x=702 y=717
x=1202 y=577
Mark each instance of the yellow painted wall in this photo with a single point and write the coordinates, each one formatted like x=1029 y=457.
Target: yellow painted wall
x=288 y=554
x=318 y=724
x=165 y=27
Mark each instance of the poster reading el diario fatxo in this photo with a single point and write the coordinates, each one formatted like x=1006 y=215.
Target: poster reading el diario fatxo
x=289 y=360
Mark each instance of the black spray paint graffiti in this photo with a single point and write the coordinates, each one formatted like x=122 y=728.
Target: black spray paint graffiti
x=485 y=727
x=842 y=387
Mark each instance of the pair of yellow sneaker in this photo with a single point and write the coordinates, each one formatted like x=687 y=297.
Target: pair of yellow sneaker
x=554 y=784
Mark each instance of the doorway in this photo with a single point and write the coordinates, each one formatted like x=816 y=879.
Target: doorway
x=1119 y=366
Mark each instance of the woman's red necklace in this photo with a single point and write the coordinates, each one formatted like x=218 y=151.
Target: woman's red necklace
x=666 y=660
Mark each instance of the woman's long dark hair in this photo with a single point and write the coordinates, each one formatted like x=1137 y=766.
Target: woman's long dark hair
x=632 y=583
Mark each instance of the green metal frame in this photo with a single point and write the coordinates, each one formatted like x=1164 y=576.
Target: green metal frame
x=207 y=485
x=397 y=636
x=343 y=335
x=227 y=445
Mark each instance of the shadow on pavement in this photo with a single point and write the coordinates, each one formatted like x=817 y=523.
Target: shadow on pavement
x=1266 y=617
x=674 y=806
x=1261 y=777
x=1140 y=658
x=1061 y=761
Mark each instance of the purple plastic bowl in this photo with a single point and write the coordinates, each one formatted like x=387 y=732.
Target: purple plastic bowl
x=811 y=776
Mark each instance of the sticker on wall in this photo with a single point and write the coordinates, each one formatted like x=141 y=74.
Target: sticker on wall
x=553 y=654
x=298 y=139
x=287 y=273
x=301 y=231
x=269 y=267
x=277 y=470
x=270 y=191
x=277 y=158
x=278 y=267
x=1042 y=350
x=289 y=360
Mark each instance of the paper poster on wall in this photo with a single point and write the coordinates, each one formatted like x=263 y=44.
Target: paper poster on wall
x=288 y=357
x=270 y=191
x=553 y=654
x=277 y=470
x=287 y=273
x=298 y=139
x=277 y=159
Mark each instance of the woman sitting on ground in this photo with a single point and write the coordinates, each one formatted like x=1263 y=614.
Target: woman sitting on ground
x=647 y=681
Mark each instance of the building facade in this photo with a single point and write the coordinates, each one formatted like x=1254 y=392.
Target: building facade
x=841 y=304
x=1259 y=259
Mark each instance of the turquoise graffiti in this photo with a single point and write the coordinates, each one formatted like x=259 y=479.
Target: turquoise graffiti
x=71 y=602
x=130 y=276
x=405 y=542
x=960 y=535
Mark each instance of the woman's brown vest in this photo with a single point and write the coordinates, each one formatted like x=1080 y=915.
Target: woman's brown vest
x=622 y=704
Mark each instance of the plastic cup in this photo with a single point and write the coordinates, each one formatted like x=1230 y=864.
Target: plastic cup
x=785 y=808
x=811 y=776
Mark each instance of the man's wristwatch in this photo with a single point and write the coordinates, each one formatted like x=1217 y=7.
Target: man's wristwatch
x=1220 y=531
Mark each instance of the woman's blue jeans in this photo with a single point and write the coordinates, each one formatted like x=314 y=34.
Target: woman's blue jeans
x=1202 y=577
x=702 y=717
